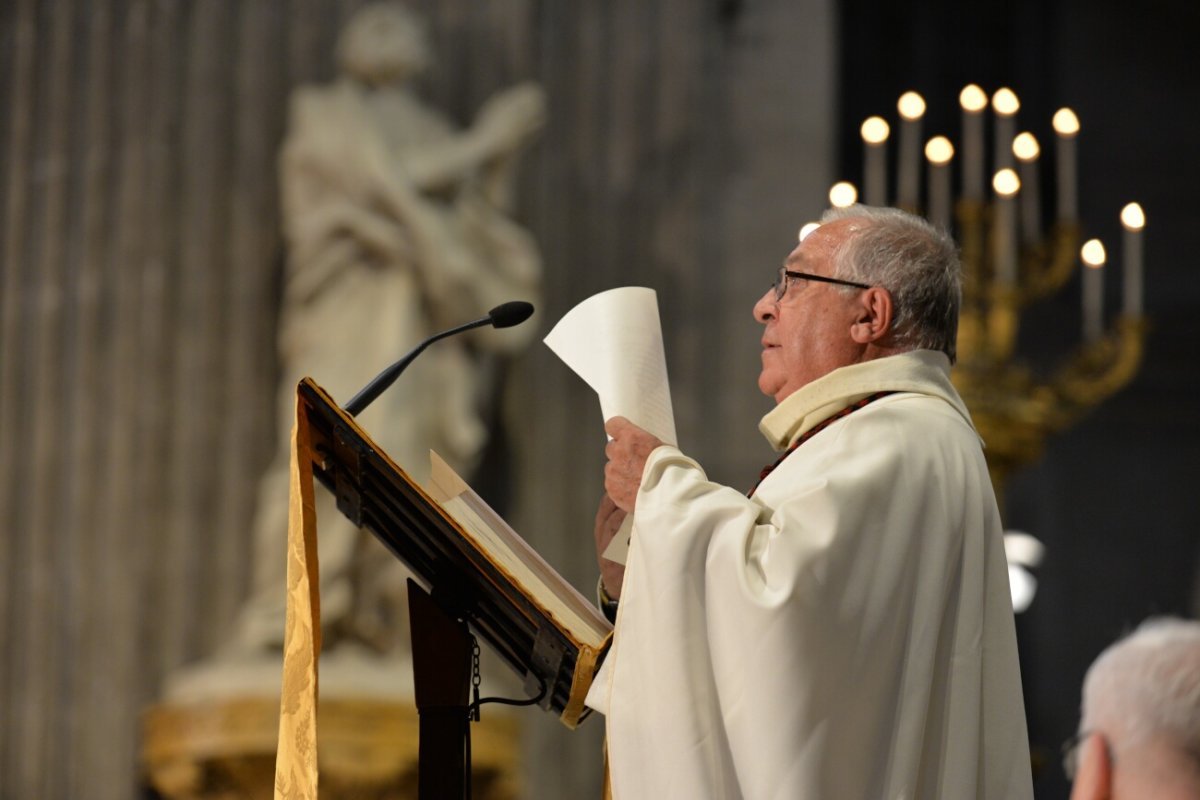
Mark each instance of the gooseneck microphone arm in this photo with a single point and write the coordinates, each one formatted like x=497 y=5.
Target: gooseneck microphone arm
x=502 y=316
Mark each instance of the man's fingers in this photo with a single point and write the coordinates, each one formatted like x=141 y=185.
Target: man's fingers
x=621 y=491
x=626 y=454
x=608 y=521
x=605 y=513
x=615 y=425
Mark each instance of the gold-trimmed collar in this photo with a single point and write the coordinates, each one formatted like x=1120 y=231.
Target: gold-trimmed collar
x=920 y=371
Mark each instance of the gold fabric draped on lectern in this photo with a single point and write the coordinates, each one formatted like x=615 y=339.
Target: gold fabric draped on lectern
x=296 y=758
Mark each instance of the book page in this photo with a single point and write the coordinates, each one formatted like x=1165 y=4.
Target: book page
x=505 y=547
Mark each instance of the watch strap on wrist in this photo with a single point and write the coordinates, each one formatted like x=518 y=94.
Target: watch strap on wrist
x=608 y=606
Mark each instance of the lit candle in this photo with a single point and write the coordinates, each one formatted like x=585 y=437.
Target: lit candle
x=875 y=134
x=1066 y=125
x=843 y=194
x=1025 y=148
x=1093 y=256
x=1133 y=220
x=939 y=151
x=908 y=168
x=1006 y=105
x=973 y=102
x=1004 y=234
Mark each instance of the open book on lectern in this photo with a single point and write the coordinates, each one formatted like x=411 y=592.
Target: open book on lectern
x=474 y=564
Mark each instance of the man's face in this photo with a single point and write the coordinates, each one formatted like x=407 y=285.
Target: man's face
x=807 y=333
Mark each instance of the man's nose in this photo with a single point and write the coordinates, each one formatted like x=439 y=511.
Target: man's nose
x=764 y=309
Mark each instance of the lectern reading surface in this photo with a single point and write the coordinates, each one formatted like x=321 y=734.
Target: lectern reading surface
x=476 y=567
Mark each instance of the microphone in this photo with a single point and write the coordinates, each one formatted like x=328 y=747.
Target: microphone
x=504 y=315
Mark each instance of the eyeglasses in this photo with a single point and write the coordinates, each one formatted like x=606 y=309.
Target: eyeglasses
x=781 y=282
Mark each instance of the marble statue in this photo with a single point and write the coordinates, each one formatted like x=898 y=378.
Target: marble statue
x=396 y=225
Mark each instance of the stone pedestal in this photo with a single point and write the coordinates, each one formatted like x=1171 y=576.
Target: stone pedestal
x=367 y=749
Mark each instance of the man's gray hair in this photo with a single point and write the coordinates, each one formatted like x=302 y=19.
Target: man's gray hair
x=915 y=262
x=1147 y=685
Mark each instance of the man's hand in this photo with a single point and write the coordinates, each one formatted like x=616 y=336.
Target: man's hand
x=608 y=521
x=627 y=454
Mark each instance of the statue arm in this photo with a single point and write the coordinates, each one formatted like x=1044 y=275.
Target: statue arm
x=507 y=121
x=326 y=238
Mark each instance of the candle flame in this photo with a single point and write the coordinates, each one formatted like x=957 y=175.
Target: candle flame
x=875 y=130
x=972 y=98
x=1132 y=217
x=1006 y=183
x=939 y=150
x=1065 y=122
x=911 y=105
x=1093 y=253
x=843 y=194
x=1005 y=102
x=1025 y=147
x=806 y=229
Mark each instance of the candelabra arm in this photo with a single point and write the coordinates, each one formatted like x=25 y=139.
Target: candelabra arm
x=1002 y=323
x=1101 y=369
x=1048 y=265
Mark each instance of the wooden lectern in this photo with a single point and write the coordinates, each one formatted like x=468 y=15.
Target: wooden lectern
x=478 y=575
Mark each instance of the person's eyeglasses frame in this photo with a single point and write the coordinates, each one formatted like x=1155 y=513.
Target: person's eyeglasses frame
x=780 y=286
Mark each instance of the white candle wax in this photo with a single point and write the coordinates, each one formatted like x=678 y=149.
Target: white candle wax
x=908 y=166
x=973 y=101
x=1031 y=204
x=875 y=135
x=1093 y=256
x=1068 y=201
x=1006 y=105
x=1006 y=129
x=1093 y=302
x=1005 y=241
x=938 y=152
x=939 y=195
x=1004 y=234
x=875 y=174
x=1066 y=128
x=1131 y=252
x=972 y=158
x=1025 y=148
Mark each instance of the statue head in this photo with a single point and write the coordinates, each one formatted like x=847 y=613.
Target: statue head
x=383 y=43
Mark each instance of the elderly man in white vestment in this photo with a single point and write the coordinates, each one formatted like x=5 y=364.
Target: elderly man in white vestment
x=846 y=630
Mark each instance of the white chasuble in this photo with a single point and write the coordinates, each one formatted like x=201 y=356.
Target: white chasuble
x=845 y=633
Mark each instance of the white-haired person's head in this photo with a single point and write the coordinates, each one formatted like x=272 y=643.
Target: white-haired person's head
x=917 y=263
x=1139 y=733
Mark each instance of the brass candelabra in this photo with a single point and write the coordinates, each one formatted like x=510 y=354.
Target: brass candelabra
x=1015 y=410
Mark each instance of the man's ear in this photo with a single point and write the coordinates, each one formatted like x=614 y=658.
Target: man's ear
x=873 y=320
x=1094 y=779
